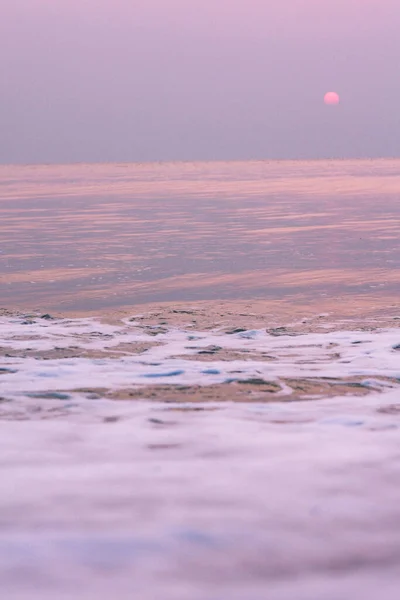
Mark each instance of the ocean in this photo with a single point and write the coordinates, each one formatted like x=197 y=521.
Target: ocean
x=97 y=237
x=200 y=380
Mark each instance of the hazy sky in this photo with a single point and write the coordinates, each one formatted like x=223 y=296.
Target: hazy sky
x=132 y=80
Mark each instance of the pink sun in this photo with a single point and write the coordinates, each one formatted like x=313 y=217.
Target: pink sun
x=331 y=98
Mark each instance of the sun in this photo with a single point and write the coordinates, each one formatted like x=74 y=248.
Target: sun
x=331 y=98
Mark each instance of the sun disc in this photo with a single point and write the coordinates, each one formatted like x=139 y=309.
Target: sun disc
x=331 y=98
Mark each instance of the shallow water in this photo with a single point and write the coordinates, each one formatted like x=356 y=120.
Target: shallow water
x=294 y=492
x=91 y=237
x=206 y=502
x=59 y=357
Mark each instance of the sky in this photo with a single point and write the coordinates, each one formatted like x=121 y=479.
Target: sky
x=144 y=80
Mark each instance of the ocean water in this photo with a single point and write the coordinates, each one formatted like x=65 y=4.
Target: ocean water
x=200 y=381
x=97 y=237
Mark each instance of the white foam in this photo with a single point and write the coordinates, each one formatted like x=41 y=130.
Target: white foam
x=335 y=354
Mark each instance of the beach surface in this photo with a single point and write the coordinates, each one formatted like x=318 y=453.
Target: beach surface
x=206 y=451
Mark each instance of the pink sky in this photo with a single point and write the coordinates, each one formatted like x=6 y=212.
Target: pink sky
x=180 y=79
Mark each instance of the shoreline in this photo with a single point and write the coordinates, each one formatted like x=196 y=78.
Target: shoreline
x=305 y=313
x=208 y=352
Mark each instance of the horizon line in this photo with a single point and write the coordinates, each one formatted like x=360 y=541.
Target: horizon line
x=199 y=161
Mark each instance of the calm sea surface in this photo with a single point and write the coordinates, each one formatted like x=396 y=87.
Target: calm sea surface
x=84 y=237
